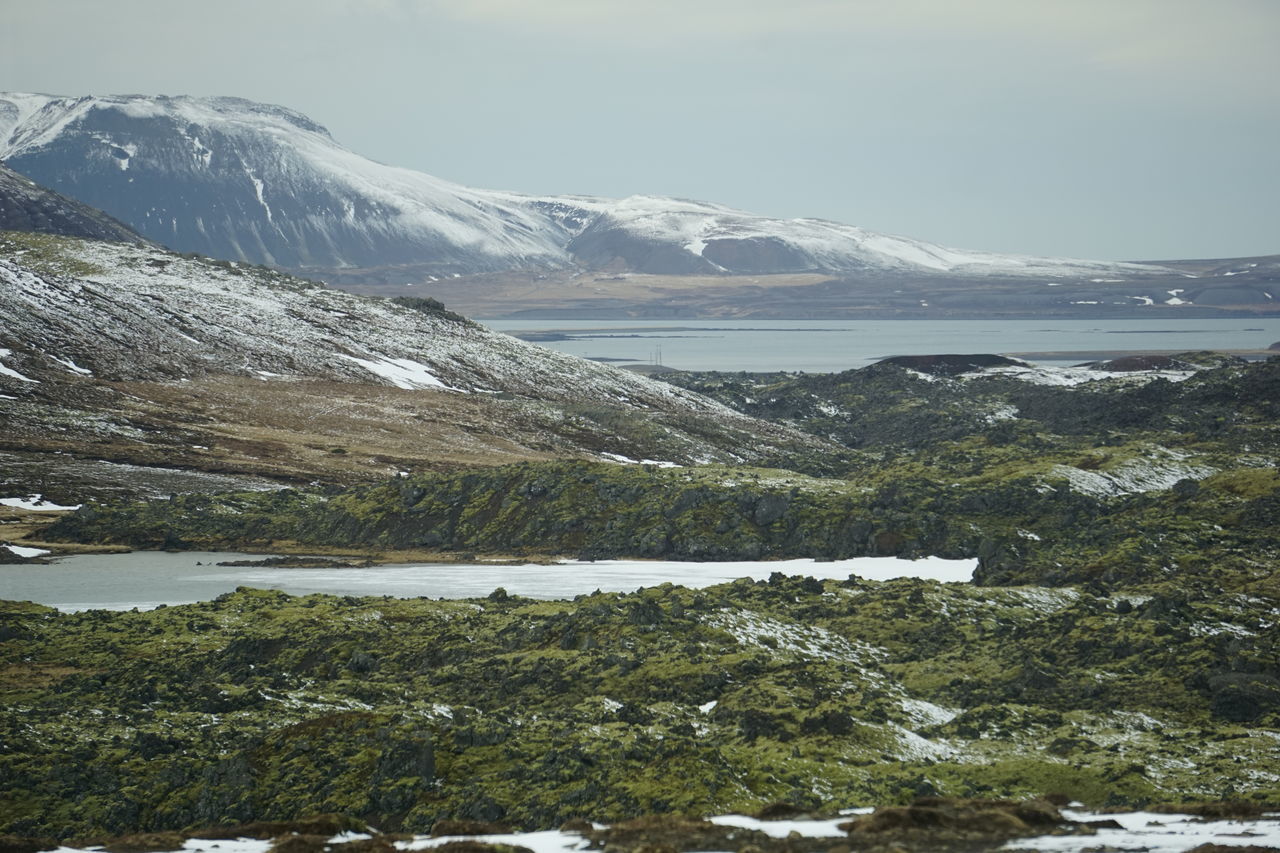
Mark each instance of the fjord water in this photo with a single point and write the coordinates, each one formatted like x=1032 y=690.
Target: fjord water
x=148 y=579
x=822 y=346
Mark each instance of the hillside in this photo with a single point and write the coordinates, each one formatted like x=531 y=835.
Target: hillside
x=27 y=206
x=262 y=184
x=1115 y=480
x=115 y=355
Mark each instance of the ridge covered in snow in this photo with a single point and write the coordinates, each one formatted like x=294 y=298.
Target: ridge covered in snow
x=117 y=353
x=122 y=312
x=234 y=179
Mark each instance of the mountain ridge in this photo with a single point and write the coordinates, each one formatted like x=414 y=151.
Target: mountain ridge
x=272 y=186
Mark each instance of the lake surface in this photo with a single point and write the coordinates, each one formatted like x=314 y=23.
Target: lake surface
x=147 y=579
x=821 y=346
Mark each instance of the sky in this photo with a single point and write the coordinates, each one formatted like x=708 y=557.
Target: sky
x=1107 y=129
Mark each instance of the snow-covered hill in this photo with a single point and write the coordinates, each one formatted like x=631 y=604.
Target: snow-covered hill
x=123 y=312
x=673 y=236
x=115 y=356
x=245 y=181
x=234 y=179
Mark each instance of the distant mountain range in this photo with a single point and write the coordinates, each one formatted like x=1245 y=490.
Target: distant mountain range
x=243 y=181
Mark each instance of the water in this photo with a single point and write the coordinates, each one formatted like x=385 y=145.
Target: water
x=147 y=579
x=821 y=346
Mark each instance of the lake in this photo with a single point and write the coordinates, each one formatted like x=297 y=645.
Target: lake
x=820 y=346
x=147 y=579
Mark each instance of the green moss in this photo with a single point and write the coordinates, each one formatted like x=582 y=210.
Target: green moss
x=48 y=254
x=399 y=712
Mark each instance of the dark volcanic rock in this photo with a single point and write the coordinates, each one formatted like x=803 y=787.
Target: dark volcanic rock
x=955 y=819
x=1131 y=363
x=951 y=365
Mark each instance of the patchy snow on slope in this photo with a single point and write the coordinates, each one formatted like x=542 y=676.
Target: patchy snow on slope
x=1037 y=374
x=627 y=460
x=9 y=371
x=121 y=312
x=23 y=551
x=928 y=714
x=35 y=503
x=400 y=372
x=72 y=366
x=755 y=629
x=185 y=317
x=915 y=747
x=1160 y=468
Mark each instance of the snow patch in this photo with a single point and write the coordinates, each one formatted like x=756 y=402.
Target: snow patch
x=23 y=551
x=1159 y=469
x=35 y=503
x=10 y=372
x=928 y=714
x=1152 y=832
x=914 y=747
x=401 y=372
x=72 y=366
x=627 y=460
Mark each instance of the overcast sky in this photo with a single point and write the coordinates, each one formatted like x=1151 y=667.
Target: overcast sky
x=1111 y=129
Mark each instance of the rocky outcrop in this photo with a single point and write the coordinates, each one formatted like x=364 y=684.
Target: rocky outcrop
x=821 y=694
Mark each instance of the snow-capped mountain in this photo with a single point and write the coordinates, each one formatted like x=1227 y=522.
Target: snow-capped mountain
x=244 y=181
x=674 y=236
x=233 y=179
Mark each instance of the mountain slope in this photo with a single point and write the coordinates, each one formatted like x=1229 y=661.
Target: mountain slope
x=130 y=354
x=233 y=179
x=27 y=206
x=244 y=181
x=674 y=236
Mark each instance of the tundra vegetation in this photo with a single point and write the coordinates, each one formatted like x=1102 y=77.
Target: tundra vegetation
x=1118 y=646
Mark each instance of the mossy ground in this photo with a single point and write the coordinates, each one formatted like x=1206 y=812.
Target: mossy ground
x=1141 y=667
x=824 y=694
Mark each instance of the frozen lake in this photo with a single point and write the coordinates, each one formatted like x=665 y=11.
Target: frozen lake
x=146 y=579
